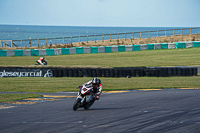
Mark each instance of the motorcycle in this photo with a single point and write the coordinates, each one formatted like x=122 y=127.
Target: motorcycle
x=44 y=62
x=85 y=98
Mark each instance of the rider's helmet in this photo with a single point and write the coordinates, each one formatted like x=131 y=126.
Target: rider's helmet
x=41 y=58
x=95 y=82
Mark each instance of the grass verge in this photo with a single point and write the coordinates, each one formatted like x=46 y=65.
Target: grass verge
x=163 y=57
x=25 y=84
x=13 y=97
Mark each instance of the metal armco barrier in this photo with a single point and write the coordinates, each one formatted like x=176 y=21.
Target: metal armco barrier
x=98 y=72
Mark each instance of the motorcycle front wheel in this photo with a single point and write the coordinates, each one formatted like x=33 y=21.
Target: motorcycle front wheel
x=89 y=104
x=76 y=104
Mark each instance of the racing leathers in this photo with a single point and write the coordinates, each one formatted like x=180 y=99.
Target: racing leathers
x=97 y=89
x=41 y=61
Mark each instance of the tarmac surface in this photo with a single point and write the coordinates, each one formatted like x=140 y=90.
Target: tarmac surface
x=150 y=111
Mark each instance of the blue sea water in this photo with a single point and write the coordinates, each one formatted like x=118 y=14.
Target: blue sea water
x=27 y=32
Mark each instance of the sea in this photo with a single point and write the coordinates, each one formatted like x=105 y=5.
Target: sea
x=47 y=34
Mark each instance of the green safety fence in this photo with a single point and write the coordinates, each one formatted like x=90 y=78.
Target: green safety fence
x=108 y=49
x=18 y=52
x=121 y=48
x=136 y=47
x=94 y=49
x=50 y=52
x=196 y=44
x=164 y=46
x=150 y=46
x=79 y=50
x=65 y=50
x=180 y=44
x=34 y=52
x=3 y=53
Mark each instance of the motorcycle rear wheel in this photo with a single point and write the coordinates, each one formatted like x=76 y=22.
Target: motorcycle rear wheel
x=76 y=104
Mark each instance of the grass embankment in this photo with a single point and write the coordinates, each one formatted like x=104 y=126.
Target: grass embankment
x=173 y=57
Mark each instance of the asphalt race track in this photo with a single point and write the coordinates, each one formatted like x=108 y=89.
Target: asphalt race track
x=154 y=111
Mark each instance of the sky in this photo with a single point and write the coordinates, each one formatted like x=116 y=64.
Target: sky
x=108 y=13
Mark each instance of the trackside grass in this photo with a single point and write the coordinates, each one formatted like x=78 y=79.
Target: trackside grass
x=12 y=97
x=71 y=83
x=167 y=57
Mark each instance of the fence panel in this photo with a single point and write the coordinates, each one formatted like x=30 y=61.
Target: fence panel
x=136 y=47
x=3 y=53
x=164 y=45
x=94 y=49
x=34 y=52
x=114 y=48
x=65 y=51
x=157 y=46
x=108 y=49
x=86 y=50
x=150 y=46
x=18 y=52
x=10 y=53
x=196 y=44
x=101 y=49
x=50 y=52
x=180 y=44
x=42 y=52
x=58 y=51
x=128 y=47
x=27 y=52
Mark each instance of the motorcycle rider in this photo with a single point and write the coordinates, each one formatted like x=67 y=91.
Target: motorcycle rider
x=41 y=61
x=97 y=87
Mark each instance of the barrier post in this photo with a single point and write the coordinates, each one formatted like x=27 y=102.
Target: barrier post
x=87 y=38
x=117 y=36
x=157 y=33
x=110 y=36
x=149 y=35
x=30 y=42
x=133 y=35
x=102 y=38
x=95 y=38
x=11 y=43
